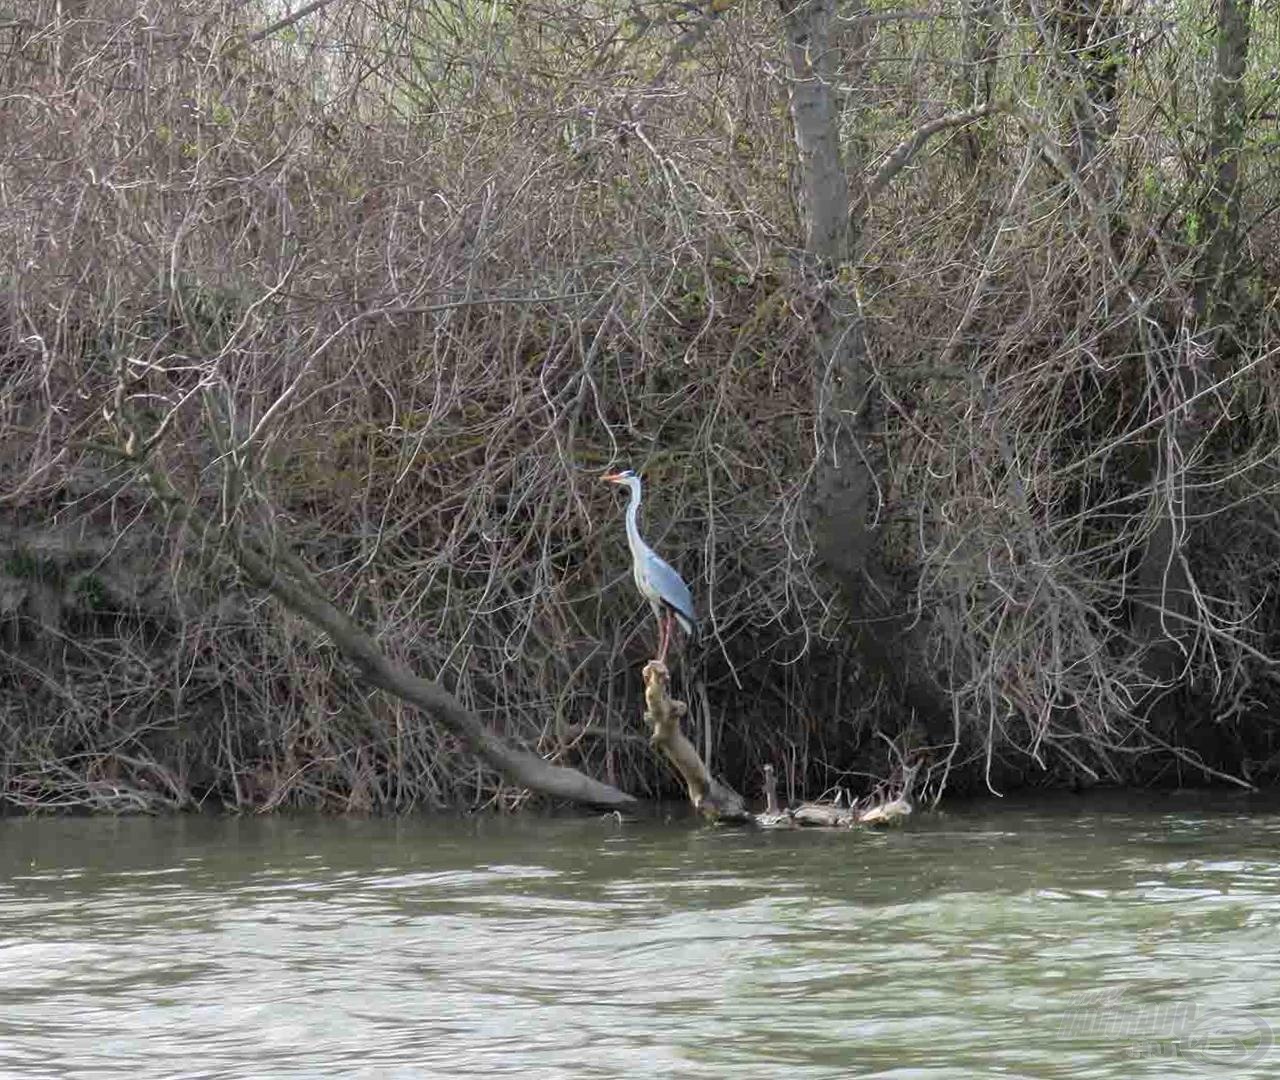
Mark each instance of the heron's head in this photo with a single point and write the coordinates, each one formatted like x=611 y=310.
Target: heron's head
x=622 y=476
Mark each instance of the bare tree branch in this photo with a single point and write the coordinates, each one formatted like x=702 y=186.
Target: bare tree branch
x=900 y=157
x=288 y=20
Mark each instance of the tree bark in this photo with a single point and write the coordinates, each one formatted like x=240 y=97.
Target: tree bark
x=814 y=116
x=1217 y=270
x=845 y=486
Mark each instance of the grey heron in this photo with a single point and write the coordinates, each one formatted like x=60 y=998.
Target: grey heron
x=657 y=581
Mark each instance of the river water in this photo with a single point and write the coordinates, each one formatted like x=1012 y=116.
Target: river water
x=1071 y=939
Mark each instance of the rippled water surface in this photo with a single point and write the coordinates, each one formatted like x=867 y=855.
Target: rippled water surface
x=1085 y=939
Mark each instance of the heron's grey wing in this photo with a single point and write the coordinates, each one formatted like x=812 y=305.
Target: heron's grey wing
x=671 y=587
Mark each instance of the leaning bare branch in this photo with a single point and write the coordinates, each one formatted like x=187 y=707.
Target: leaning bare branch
x=288 y=20
x=904 y=153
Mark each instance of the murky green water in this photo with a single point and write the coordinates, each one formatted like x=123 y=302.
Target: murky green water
x=1081 y=941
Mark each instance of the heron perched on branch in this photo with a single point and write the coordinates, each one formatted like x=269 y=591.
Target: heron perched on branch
x=658 y=583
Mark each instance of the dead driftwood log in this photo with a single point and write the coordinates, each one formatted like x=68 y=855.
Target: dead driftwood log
x=834 y=814
x=719 y=802
x=711 y=798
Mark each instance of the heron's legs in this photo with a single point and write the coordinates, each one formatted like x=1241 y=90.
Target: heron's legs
x=664 y=636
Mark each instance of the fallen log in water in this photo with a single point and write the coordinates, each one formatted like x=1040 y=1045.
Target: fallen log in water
x=719 y=802
x=833 y=814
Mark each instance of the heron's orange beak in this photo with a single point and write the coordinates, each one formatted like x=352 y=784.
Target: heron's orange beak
x=612 y=477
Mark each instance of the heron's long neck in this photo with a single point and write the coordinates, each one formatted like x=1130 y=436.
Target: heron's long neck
x=633 y=508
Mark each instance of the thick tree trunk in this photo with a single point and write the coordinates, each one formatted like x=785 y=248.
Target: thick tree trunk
x=1218 y=266
x=814 y=116
x=845 y=482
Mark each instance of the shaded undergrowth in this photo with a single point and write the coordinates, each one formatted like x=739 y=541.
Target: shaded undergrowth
x=402 y=301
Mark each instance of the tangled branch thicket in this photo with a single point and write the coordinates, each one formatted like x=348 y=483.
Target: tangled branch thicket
x=396 y=281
